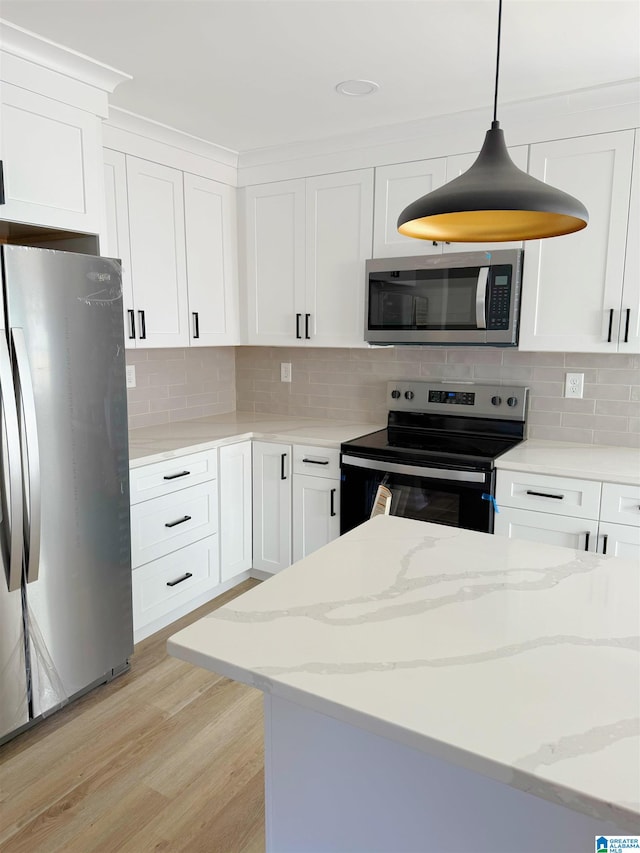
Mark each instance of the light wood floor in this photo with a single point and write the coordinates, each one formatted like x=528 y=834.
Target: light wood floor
x=166 y=757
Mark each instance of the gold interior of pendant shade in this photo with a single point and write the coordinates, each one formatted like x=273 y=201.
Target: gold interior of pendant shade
x=496 y=226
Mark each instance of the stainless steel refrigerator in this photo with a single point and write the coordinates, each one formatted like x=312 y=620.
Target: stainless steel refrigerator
x=65 y=594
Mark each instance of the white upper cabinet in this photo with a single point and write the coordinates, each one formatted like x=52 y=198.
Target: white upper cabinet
x=306 y=244
x=338 y=244
x=275 y=244
x=629 y=337
x=211 y=250
x=52 y=162
x=158 y=261
x=115 y=241
x=396 y=187
x=572 y=292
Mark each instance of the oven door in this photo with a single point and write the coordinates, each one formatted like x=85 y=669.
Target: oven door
x=439 y=495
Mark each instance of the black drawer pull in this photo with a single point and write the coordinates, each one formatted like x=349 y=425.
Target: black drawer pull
x=332 y=511
x=610 y=325
x=175 y=476
x=178 y=521
x=605 y=540
x=587 y=537
x=545 y=495
x=283 y=456
x=626 y=326
x=298 y=318
x=316 y=461
x=132 y=324
x=185 y=577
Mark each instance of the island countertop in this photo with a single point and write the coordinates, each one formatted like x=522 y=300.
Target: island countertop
x=513 y=659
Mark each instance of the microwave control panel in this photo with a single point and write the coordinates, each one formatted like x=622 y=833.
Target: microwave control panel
x=499 y=298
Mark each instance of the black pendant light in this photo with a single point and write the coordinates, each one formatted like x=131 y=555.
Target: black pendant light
x=494 y=200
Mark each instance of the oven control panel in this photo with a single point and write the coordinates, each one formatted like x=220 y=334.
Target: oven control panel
x=472 y=399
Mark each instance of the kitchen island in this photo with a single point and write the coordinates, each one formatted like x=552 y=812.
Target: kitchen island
x=431 y=688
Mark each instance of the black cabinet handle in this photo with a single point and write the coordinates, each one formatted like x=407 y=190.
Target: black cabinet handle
x=610 y=325
x=332 y=511
x=184 y=577
x=1 y=182
x=298 y=318
x=178 y=521
x=282 y=458
x=143 y=325
x=545 y=495
x=175 y=476
x=196 y=325
x=132 y=324
x=316 y=461
x=587 y=537
x=605 y=540
x=626 y=326
x=306 y=326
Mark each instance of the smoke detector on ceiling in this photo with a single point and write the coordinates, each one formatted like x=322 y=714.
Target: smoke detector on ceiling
x=357 y=87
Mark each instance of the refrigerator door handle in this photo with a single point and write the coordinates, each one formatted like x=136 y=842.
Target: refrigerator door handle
x=14 y=503
x=32 y=514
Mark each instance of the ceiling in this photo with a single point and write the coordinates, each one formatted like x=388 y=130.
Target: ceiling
x=249 y=74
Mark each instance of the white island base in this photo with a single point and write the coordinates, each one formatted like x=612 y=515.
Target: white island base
x=331 y=786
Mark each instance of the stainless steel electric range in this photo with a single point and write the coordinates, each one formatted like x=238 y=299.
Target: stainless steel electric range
x=437 y=454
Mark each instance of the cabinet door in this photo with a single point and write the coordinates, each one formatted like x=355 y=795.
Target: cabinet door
x=572 y=286
x=339 y=221
x=629 y=340
x=212 y=279
x=620 y=540
x=458 y=164
x=316 y=513
x=396 y=187
x=578 y=533
x=52 y=161
x=158 y=264
x=275 y=237
x=235 y=509
x=115 y=242
x=271 y=506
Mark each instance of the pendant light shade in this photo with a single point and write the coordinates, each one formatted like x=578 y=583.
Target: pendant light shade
x=494 y=200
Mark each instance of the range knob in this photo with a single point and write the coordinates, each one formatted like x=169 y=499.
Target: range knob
x=495 y=401
x=512 y=401
x=409 y=395
x=395 y=393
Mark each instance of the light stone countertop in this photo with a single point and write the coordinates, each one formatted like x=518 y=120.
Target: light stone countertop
x=584 y=461
x=513 y=659
x=165 y=441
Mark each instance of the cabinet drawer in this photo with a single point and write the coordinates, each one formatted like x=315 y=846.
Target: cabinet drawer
x=556 y=495
x=577 y=533
x=620 y=504
x=165 y=524
x=171 y=581
x=317 y=461
x=170 y=475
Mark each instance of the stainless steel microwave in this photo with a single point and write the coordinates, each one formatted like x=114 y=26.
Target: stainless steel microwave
x=470 y=298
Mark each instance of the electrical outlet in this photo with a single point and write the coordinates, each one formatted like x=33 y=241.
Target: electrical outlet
x=574 y=385
x=131 y=376
x=285 y=371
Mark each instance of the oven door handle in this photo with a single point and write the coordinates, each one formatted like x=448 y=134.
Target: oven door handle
x=481 y=298
x=415 y=470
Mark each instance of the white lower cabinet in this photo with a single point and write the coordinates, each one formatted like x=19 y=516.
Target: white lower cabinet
x=316 y=513
x=272 y=470
x=234 y=475
x=583 y=514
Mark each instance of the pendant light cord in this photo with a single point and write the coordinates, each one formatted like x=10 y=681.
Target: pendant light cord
x=495 y=95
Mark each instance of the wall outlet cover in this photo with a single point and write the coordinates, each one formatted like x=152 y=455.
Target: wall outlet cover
x=131 y=376
x=574 y=385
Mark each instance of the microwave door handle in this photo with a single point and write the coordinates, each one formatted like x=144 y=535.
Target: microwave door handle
x=481 y=298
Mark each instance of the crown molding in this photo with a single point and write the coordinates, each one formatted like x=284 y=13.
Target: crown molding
x=48 y=54
x=607 y=107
